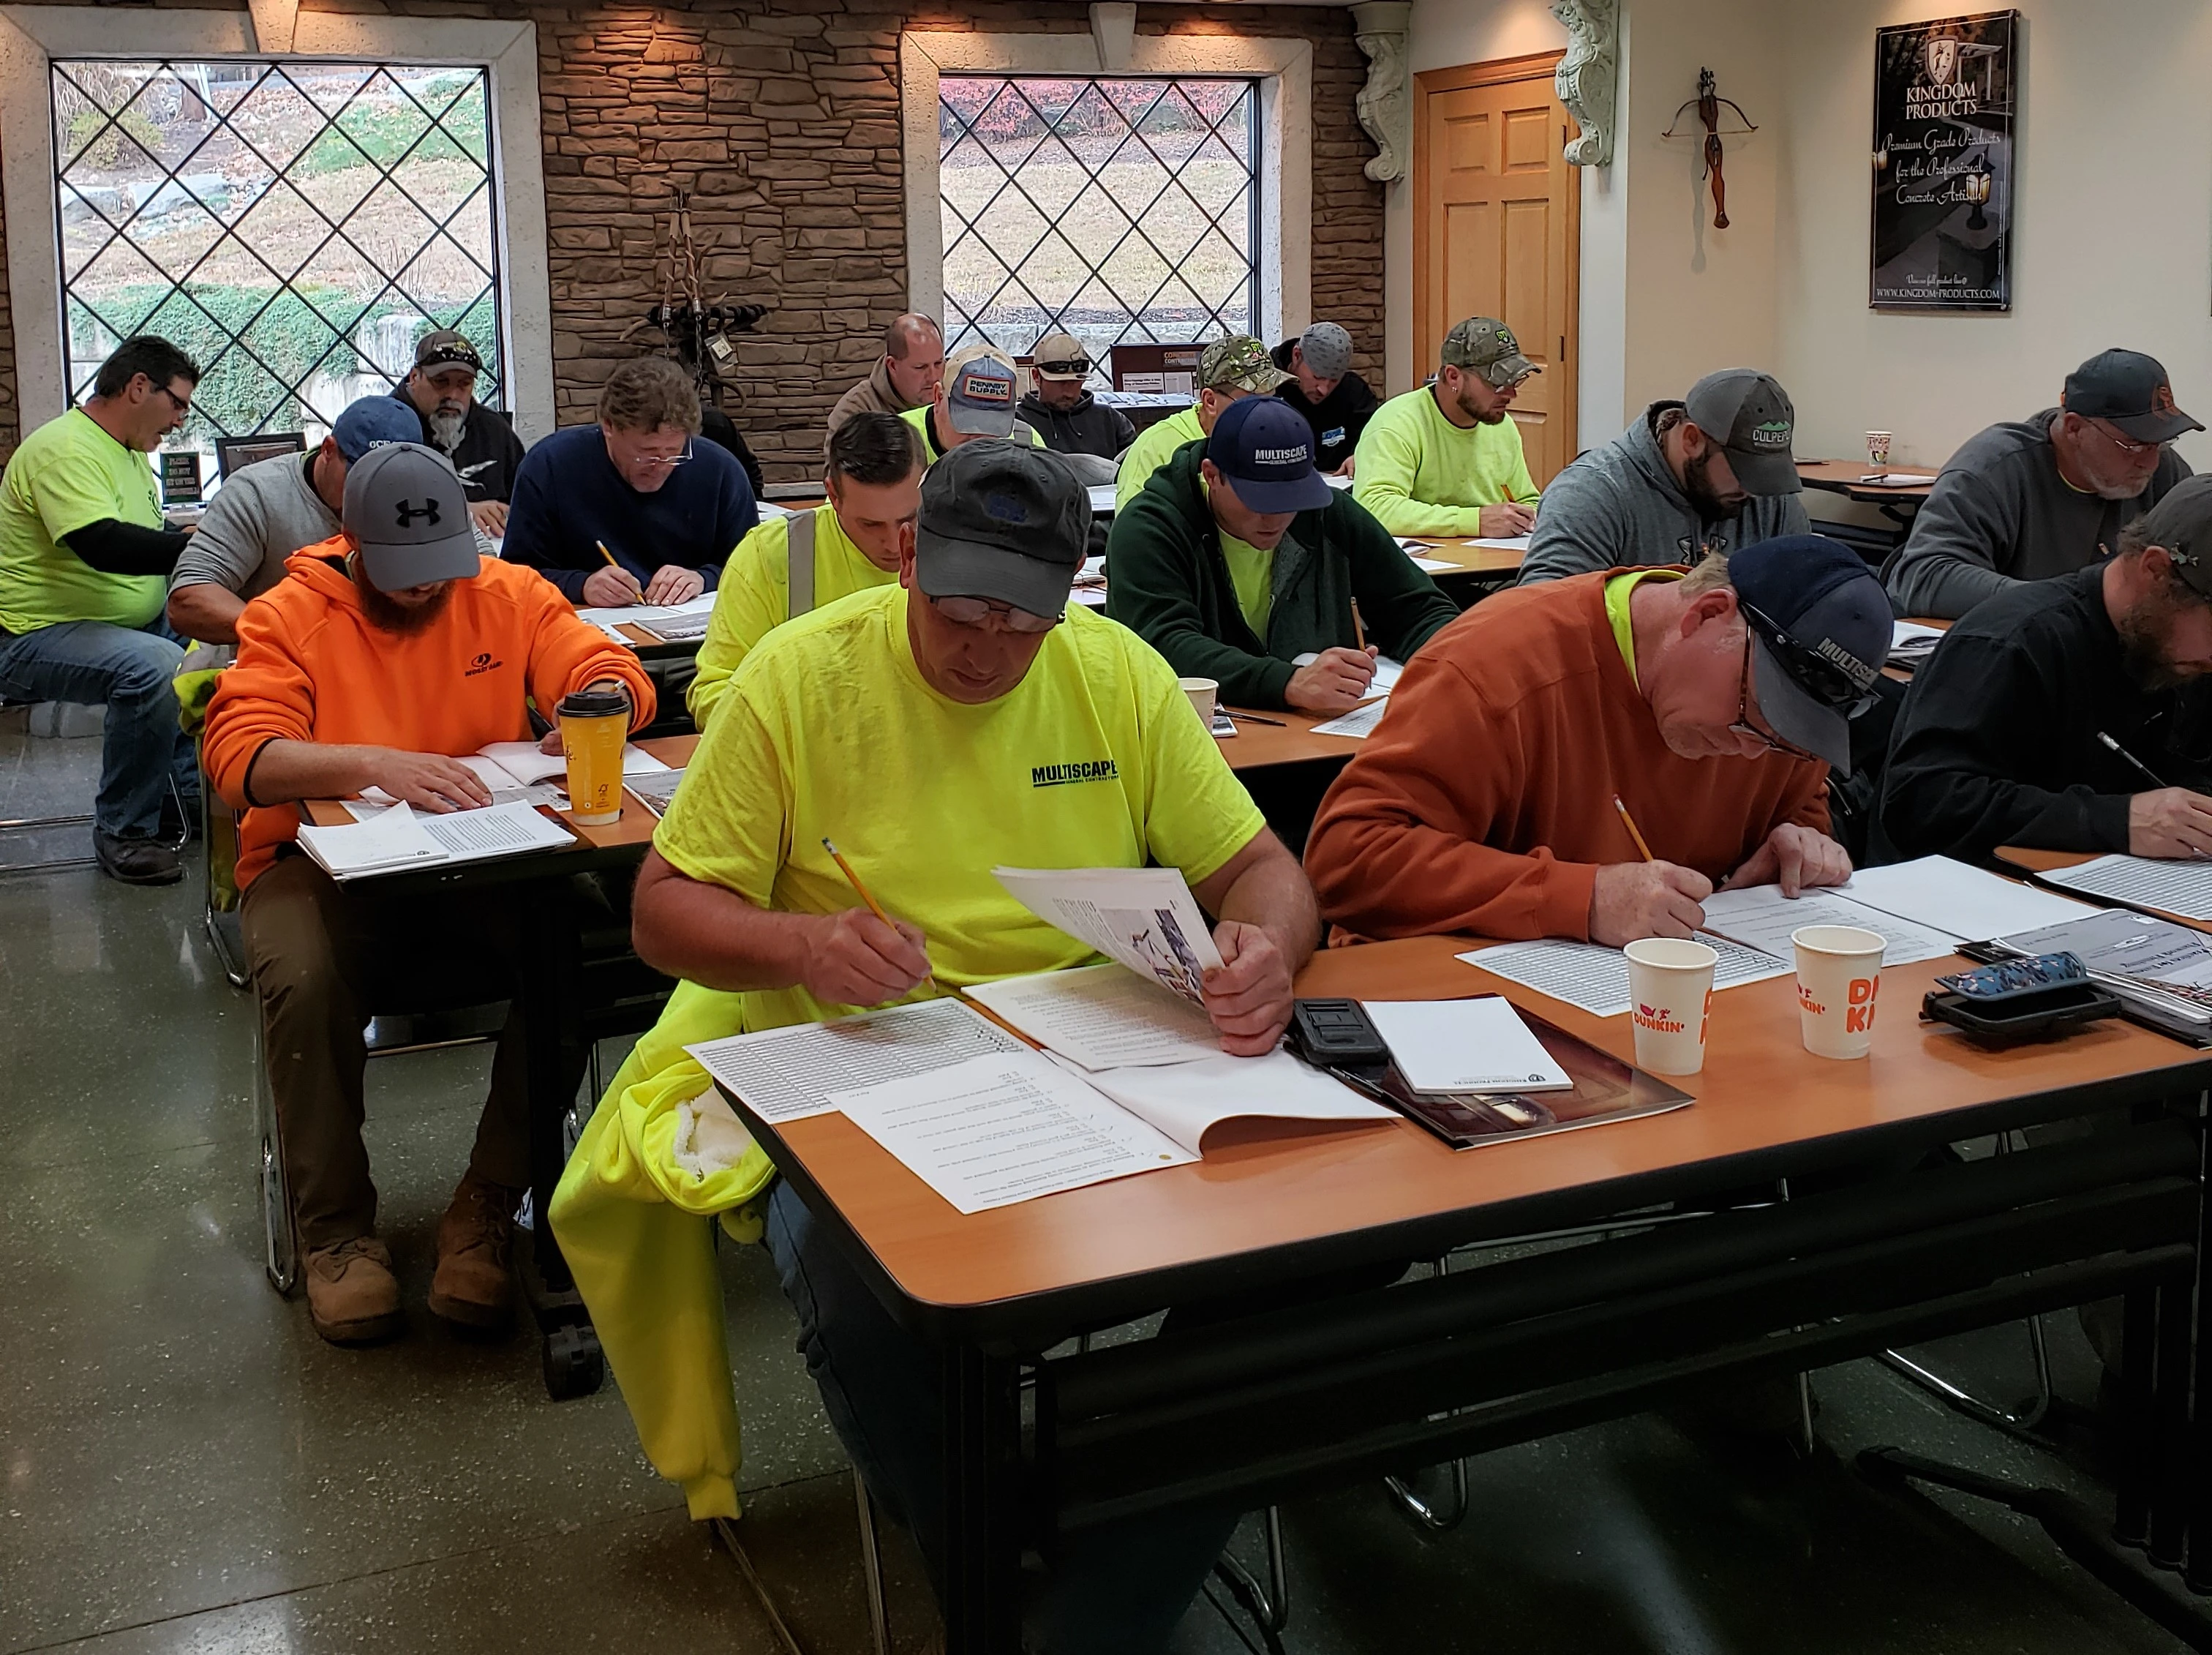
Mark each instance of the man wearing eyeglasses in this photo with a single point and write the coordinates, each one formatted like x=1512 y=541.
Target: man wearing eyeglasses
x=635 y=508
x=84 y=562
x=2029 y=499
x=1062 y=411
x=1004 y=726
x=1711 y=703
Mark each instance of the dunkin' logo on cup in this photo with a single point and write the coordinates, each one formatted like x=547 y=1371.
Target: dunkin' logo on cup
x=1858 y=1016
x=1659 y=1019
x=1805 y=1001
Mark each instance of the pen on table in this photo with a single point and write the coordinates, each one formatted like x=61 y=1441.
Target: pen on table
x=853 y=879
x=1629 y=822
x=1254 y=718
x=2149 y=774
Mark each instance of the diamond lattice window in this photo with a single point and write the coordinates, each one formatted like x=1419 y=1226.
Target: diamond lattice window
x=1125 y=211
x=295 y=227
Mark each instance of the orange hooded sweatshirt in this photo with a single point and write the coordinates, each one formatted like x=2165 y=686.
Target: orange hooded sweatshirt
x=311 y=668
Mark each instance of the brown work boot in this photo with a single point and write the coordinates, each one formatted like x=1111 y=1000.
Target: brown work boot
x=475 y=1282
x=353 y=1298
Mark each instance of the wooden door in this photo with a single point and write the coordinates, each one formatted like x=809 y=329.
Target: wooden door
x=1497 y=232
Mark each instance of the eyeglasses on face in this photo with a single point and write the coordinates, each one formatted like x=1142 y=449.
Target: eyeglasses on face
x=665 y=460
x=2119 y=439
x=1743 y=726
x=975 y=611
x=182 y=405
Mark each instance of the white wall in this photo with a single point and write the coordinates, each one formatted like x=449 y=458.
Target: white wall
x=2113 y=244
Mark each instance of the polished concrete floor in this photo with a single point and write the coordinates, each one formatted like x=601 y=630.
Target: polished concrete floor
x=185 y=1467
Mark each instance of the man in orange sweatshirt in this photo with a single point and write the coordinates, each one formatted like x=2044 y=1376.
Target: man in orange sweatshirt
x=387 y=652
x=1711 y=703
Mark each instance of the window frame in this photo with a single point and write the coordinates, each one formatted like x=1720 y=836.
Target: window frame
x=1284 y=69
x=32 y=36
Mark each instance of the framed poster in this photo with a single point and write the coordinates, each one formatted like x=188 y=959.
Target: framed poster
x=1944 y=96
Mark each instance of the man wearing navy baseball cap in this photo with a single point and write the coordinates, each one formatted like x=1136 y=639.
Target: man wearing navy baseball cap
x=1239 y=563
x=1711 y=704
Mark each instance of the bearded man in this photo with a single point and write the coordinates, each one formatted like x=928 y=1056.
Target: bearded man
x=441 y=389
x=1446 y=459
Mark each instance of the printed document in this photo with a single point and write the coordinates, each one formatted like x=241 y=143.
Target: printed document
x=1188 y=1100
x=1102 y=1017
x=1968 y=903
x=2182 y=888
x=1596 y=978
x=518 y=774
x=611 y=618
x=397 y=838
x=1145 y=917
x=788 y=1073
x=1759 y=917
x=1361 y=721
x=1464 y=1045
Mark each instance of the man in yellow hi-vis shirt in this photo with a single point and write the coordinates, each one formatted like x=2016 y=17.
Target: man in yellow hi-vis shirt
x=981 y=691
x=791 y=566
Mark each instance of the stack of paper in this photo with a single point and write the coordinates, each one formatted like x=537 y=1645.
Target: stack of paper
x=397 y=838
x=610 y=620
x=2182 y=888
x=1594 y=977
x=1464 y=1045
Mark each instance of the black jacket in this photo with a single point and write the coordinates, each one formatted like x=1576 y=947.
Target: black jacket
x=1337 y=419
x=1996 y=743
x=1089 y=428
x=488 y=453
x=1167 y=580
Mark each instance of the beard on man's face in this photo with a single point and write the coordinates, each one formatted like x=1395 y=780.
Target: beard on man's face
x=401 y=620
x=2147 y=641
x=446 y=423
x=1473 y=410
x=1710 y=504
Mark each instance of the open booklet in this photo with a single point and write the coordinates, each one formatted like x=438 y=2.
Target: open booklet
x=1145 y=917
x=518 y=773
x=395 y=839
x=650 y=617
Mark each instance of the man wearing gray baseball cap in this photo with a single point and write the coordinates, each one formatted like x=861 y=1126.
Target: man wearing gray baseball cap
x=388 y=655
x=1336 y=402
x=1710 y=473
x=1005 y=727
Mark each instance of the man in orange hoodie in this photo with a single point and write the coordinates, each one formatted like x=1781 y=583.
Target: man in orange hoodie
x=387 y=652
x=1711 y=703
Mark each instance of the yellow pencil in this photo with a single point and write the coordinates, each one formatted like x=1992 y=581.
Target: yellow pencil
x=604 y=553
x=1359 y=632
x=846 y=868
x=1629 y=822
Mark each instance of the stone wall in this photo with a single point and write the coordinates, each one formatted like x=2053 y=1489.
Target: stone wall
x=781 y=120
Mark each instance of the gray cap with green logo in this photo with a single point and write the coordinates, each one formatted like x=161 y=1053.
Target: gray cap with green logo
x=1239 y=363
x=1485 y=346
x=1749 y=415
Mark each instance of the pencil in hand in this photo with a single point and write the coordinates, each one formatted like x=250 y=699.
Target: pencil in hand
x=853 y=879
x=1629 y=822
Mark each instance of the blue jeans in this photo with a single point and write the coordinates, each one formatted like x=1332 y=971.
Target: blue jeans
x=126 y=670
x=1115 y=1590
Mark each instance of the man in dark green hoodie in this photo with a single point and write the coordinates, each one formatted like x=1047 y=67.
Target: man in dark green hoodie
x=1239 y=563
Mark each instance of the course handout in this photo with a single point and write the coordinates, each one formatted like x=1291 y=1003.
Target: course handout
x=645 y=615
x=1145 y=917
x=1188 y=1100
x=2182 y=888
x=1102 y=1016
x=1361 y=721
x=1596 y=978
x=518 y=773
x=1759 y=917
x=1464 y=1045
x=396 y=837
x=788 y=1073
x=1969 y=902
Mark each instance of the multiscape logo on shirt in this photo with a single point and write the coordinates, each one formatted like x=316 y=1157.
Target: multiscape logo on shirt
x=1085 y=769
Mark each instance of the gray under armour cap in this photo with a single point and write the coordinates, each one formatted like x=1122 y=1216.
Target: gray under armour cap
x=406 y=514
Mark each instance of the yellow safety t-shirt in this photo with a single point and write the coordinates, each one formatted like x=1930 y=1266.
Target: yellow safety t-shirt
x=754 y=597
x=65 y=475
x=1150 y=452
x=1094 y=760
x=1617 y=588
x=1418 y=473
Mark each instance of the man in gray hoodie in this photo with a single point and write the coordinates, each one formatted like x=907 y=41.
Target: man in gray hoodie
x=1707 y=474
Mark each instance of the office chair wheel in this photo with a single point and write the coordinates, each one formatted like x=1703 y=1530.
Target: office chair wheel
x=574 y=1364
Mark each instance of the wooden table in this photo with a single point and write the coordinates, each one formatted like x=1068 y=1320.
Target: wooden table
x=1899 y=502
x=1879 y=1247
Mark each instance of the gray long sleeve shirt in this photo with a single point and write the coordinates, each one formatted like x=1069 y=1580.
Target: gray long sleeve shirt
x=1618 y=507
x=262 y=514
x=2000 y=513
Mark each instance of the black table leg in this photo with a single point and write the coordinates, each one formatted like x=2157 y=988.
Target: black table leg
x=551 y=995
x=982 y=1536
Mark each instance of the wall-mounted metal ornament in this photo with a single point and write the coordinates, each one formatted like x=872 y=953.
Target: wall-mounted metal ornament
x=1709 y=104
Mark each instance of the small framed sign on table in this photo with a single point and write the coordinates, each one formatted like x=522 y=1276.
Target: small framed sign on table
x=1945 y=93
x=181 y=477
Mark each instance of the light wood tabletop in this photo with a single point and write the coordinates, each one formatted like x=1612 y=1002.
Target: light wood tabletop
x=1466 y=558
x=1847 y=477
x=1264 y=1186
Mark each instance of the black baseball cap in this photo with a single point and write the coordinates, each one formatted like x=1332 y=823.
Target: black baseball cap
x=1821 y=630
x=2182 y=523
x=446 y=348
x=2129 y=390
x=1749 y=414
x=1005 y=521
x=1264 y=449
x=407 y=516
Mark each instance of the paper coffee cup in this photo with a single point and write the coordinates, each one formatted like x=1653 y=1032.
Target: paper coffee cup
x=1671 y=990
x=1203 y=693
x=1877 y=448
x=594 y=725
x=1839 y=975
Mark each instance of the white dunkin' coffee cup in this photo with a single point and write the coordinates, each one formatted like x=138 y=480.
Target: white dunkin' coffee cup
x=1839 y=975
x=1203 y=693
x=1670 y=991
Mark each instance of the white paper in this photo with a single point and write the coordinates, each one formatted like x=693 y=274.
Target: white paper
x=1500 y=543
x=1387 y=672
x=1899 y=479
x=2182 y=888
x=1761 y=917
x=1361 y=721
x=1964 y=901
x=1102 y=494
x=638 y=614
x=1596 y=978
x=1464 y=1045
x=1145 y=917
x=1904 y=632
x=1102 y=1017
x=788 y=1073
x=398 y=837
x=1435 y=565
x=524 y=762
x=1187 y=1100
x=995 y=1130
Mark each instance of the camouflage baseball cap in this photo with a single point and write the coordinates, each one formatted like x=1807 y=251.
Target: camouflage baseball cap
x=1239 y=363
x=1487 y=347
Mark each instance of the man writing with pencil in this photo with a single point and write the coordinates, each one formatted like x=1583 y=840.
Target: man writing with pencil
x=1528 y=744
x=2071 y=714
x=1005 y=727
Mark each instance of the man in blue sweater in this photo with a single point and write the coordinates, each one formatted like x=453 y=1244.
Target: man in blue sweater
x=636 y=508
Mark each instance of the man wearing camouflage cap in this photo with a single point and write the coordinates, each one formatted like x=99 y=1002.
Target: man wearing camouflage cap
x=1446 y=459
x=1229 y=370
